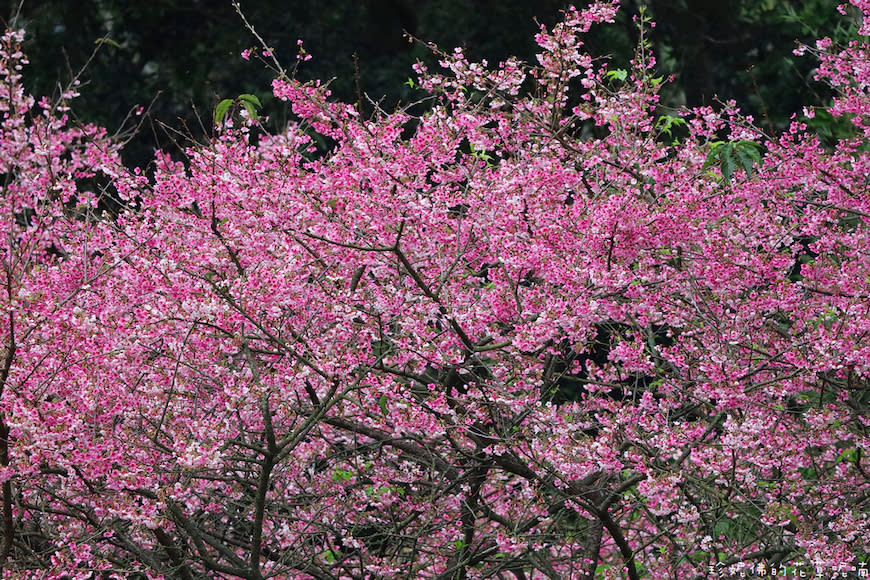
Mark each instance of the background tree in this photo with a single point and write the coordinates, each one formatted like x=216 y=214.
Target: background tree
x=187 y=51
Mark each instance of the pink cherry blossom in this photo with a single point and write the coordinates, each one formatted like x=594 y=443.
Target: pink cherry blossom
x=518 y=335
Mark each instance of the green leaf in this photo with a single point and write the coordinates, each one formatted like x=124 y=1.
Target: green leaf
x=220 y=112
x=378 y=492
x=744 y=161
x=618 y=74
x=666 y=123
x=727 y=165
x=107 y=40
x=340 y=475
x=733 y=154
x=748 y=154
x=252 y=112
x=850 y=455
x=248 y=98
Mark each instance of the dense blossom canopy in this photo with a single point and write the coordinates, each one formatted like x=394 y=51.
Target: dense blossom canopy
x=542 y=330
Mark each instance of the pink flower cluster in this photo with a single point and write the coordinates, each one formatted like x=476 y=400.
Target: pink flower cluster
x=474 y=343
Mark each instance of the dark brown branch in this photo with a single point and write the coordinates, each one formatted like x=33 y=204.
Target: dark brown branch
x=8 y=523
x=619 y=539
x=202 y=539
x=174 y=553
x=592 y=549
x=417 y=452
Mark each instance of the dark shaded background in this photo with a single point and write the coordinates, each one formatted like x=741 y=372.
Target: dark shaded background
x=184 y=54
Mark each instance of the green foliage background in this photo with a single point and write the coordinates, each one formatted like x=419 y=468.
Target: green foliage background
x=184 y=54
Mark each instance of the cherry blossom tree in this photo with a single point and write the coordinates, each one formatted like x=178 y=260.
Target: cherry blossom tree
x=540 y=330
